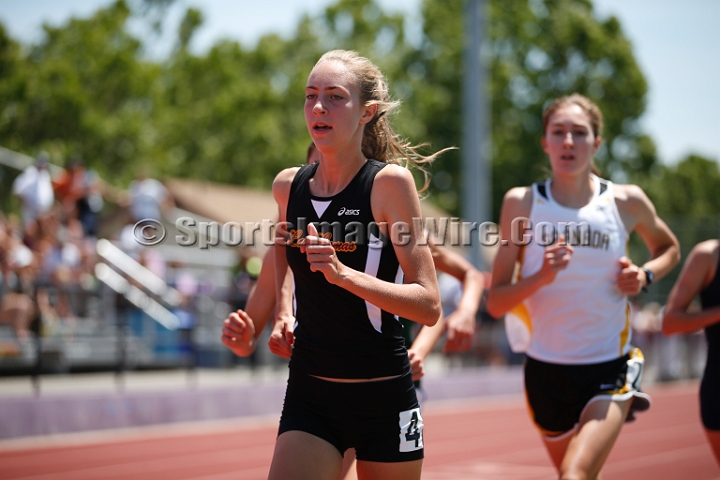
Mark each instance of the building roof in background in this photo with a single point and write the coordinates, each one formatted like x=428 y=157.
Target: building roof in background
x=222 y=202
x=231 y=203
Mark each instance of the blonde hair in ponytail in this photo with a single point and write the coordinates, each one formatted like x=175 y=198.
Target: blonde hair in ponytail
x=379 y=140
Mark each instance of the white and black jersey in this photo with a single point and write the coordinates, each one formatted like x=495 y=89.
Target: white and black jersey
x=338 y=334
x=582 y=317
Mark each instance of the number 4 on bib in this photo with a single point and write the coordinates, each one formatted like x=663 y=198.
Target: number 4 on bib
x=411 y=428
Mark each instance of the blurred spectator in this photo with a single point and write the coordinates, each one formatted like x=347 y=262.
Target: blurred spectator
x=451 y=290
x=646 y=321
x=60 y=267
x=244 y=276
x=149 y=198
x=153 y=260
x=16 y=264
x=34 y=188
x=183 y=280
x=78 y=190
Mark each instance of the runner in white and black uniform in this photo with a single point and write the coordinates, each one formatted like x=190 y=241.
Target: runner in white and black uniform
x=579 y=351
x=581 y=374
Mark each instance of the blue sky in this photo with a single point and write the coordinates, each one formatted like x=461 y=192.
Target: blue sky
x=676 y=43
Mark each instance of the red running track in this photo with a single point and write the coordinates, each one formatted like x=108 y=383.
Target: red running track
x=479 y=439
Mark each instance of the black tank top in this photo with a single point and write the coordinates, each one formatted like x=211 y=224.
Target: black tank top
x=710 y=297
x=339 y=334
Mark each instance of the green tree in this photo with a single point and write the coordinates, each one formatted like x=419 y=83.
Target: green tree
x=688 y=189
x=83 y=89
x=192 y=20
x=11 y=85
x=539 y=50
x=234 y=114
x=685 y=196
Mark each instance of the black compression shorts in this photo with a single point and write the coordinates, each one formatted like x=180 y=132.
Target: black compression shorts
x=381 y=419
x=710 y=390
x=557 y=394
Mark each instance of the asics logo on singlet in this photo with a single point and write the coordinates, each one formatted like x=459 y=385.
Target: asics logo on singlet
x=348 y=211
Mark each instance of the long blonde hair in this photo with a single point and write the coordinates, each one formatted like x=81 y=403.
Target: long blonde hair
x=379 y=140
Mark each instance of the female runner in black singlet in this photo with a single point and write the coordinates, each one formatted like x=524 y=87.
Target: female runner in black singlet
x=701 y=275
x=356 y=265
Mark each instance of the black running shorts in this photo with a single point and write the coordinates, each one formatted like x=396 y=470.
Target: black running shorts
x=710 y=390
x=557 y=394
x=380 y=419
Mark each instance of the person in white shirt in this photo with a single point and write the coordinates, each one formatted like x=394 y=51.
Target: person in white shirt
x=148 y=198
x=34 y=189
x=569 y=235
